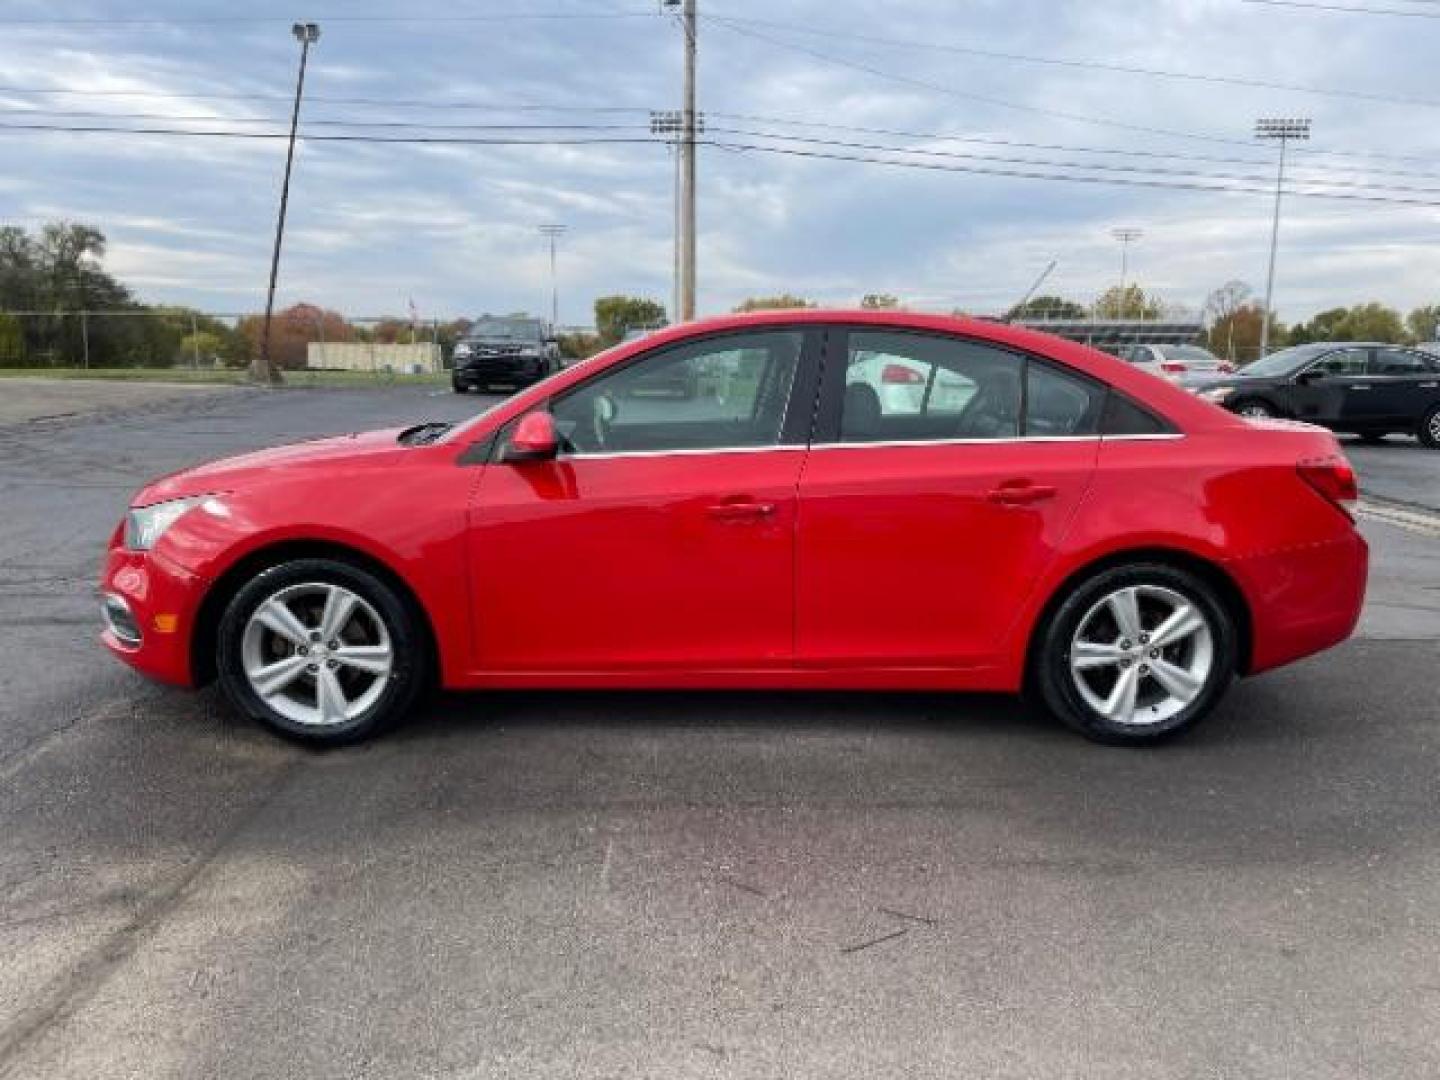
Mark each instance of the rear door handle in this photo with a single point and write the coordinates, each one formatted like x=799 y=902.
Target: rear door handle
x=741 y=511
x=1021 y=493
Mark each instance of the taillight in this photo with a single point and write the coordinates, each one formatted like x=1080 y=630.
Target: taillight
x=899 y=373
x=1226 y=368
x=1173 y=366
x=1333 y=478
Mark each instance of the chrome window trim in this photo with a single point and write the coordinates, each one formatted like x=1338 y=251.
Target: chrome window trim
x=692 y=452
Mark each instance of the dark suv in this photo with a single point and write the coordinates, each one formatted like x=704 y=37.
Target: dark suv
x=504 y=354
x=1367 y=388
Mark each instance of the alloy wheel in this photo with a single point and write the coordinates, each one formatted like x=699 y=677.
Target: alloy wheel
x=1141 y=654
x=317 y=653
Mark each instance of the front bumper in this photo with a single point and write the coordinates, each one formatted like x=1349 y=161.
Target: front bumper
x=510 y=372
x=161 y=600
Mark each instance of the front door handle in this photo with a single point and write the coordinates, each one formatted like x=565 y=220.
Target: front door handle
x=1021 y=493
x=1359 y=388
x=742 y=511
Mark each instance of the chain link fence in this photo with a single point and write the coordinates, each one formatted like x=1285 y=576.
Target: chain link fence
x=306 y=345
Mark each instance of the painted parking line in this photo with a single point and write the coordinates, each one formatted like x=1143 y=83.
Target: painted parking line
x=1411 y=519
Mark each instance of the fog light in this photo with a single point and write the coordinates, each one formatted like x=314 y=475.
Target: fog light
x=120 y=621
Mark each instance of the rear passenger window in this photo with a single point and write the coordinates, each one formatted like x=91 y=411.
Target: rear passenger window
x=902 y=387
x=1060 y=403
x=1124 y=417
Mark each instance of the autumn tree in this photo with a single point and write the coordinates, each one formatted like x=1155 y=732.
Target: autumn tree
x=292 y=330
x=617 y=315
x=1236 y=334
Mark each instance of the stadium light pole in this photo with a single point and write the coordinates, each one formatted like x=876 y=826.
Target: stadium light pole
x=1281 y=130
x=554 y=232
x=1126 y=236
x=263 y=370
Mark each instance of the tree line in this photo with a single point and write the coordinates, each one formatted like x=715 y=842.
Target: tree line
x=57 y=272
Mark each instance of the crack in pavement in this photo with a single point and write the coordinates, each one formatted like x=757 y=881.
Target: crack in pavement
x=67 y=994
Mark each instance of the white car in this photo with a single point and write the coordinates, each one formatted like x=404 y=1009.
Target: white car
x=901 y=384
x=1183 y=364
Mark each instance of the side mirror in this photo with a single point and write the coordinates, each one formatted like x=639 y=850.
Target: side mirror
x=534 y=439
x=1305 y=378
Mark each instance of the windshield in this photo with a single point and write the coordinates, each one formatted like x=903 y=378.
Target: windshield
x=1193 y=355
x=1286 y=360
x=530 y=330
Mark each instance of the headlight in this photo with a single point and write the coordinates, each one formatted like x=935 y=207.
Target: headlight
x=144 y=525
x=1217 y=393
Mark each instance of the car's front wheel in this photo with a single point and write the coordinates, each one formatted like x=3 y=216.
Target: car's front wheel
x=1136 y=653
x=1430 y=429
x=322 y=651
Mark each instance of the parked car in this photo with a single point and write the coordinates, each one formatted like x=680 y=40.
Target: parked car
x=1187 y=365
x=1368 y=389
x=1110 y=544
x=504 y=354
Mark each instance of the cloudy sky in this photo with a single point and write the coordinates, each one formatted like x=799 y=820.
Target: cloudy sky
x=454 y=225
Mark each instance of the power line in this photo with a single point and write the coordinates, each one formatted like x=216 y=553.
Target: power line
x=1086 y=65
x=1103 y=180
x=1091 y=166
x=200 y=20
x=391 y=103
x=1180 y=182
x=1308 y=4
x=406 y=125
x=950 y=91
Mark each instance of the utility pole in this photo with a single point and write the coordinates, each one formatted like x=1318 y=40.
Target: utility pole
x=1282 y=130
x=554 y=232
x=688 y=127
x=263 y=371
x=1126 y=236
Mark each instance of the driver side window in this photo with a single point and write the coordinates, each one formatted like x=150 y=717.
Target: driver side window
x=1345 y=362
x=725 y=392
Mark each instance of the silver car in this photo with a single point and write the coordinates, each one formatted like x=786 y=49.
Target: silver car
x=1188 y=365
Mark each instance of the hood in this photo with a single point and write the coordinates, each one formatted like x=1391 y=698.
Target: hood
x=245 y=469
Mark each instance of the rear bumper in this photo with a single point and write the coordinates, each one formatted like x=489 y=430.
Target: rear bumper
x=1303 y=599
x=162 y=600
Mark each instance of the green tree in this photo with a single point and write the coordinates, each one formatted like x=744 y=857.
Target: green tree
x=782 y=302
x=1424 y=323
x=12 y=341
x=1131 y=302
x=878 y=301
x=616 y=315
x=1236 y=335
x=1363 y=322
x=1047 y=307
x=578 y=346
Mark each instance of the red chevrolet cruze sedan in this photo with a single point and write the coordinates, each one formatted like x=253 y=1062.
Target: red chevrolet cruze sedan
x=801 y=499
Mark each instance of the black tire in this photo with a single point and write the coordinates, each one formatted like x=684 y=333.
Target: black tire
x=1254 y=407
x=1429 y=430
x=457 y=387
x=1057 y=685
x=409 y=645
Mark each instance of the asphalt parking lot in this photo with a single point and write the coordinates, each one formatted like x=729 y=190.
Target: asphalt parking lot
x=707 y=885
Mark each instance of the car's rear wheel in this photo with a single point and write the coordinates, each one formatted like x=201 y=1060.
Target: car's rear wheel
x=1430 y=429
x=1136 y=654
x=321 y=651
x=1255 y=409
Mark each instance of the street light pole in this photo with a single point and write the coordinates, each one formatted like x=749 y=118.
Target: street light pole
x=1282 y=130
x=554 y=232
x=263 y=370
x=1126 y=236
